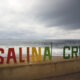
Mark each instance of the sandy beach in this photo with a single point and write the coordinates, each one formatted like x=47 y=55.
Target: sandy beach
x=57 y=69
x=73 y=76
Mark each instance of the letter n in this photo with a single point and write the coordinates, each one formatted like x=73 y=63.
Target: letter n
x=34 y=52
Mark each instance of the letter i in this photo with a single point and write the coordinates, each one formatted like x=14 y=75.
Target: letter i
x=28 y=54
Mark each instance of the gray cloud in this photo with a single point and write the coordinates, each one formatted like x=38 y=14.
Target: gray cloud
x=22 y=34
x=61 y=13
x=39 y=19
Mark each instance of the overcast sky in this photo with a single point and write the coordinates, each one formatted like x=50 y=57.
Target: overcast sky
x=39 y=19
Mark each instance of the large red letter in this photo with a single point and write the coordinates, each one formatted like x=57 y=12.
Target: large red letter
x=11 y=50
x=28 y=54
x=20 y=55
x=1 y=58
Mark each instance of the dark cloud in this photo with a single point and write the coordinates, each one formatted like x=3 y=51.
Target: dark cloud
x=61 y=13
x=39 y=19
